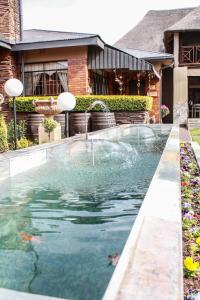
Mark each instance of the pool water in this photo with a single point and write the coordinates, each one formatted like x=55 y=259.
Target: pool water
x=60 y=222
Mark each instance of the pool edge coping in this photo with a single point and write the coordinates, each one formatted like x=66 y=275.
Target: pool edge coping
x=15 y=162
x=118 y=287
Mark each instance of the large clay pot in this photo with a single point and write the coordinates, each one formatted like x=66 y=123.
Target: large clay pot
x=78 y=123
x=61 y=120
x=34 y=120
x=101 y=120
x=47 y=107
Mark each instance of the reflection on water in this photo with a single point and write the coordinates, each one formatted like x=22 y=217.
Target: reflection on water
x=80 y=212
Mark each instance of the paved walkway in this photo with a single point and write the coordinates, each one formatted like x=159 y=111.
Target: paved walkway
x=184 y=135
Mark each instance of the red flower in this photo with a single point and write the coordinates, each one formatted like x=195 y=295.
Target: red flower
x=184 y=183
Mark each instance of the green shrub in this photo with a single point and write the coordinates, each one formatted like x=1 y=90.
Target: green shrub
x=3 y=135
x=21 y=131
x=23 y=143
x=49 y=125
x=114 y=103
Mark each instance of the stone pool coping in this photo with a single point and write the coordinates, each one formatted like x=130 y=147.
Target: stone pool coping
x=22 y=160
x=150 y=267
x=16 y=162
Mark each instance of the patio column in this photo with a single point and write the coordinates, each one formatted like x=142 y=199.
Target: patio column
x=176 y=49
x=180 y=95
x=155 y=89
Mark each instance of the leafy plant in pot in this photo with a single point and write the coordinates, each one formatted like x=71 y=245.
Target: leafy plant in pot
x=49 y=126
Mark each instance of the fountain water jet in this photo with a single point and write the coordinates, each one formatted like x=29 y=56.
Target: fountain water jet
x=104 y=109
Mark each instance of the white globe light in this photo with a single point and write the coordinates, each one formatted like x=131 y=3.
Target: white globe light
x=66 y=101
x=13 y=87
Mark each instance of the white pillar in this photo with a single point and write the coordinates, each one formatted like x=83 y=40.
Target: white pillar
x=180 y=95
x=176 y=49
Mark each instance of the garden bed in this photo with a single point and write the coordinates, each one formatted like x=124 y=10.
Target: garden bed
x=190 y=189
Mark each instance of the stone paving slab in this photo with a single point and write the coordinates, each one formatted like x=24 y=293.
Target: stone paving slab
x=153 y=275
x=184 y=135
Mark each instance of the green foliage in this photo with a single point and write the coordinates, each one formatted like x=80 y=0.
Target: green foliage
x=187 y=224
x=21 y=131
x=23 y=143
x=3 y=135
x=49 y=125
x=114 y=103
x=195 y=133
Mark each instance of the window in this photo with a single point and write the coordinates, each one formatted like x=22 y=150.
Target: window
x=45 y=79
x=99 y=83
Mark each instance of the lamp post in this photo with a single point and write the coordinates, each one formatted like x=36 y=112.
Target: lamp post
x=66 y=102
x=14 y=88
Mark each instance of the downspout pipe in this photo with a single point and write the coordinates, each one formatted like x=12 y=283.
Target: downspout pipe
x=159 y=75
x=21 y=19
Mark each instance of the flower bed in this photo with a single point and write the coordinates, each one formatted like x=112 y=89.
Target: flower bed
x=190 y=189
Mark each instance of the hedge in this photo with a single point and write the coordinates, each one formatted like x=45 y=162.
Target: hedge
x=114 y=103
x=3 y=135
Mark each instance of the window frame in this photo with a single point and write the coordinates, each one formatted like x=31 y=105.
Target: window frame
x=59 y=86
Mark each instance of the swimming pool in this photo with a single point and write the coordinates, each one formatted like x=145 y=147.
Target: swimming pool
x=60 y=222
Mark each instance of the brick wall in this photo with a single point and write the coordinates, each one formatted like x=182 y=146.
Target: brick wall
x=8 y=66
x=8 y=69
x=77 y=65
x=78 y=75
x=9 y=20
x=155 y=93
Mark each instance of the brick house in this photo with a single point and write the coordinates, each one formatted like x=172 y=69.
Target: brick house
x=170 y=40
x=50 y=62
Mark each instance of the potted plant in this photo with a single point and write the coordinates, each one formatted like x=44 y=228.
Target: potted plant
x=164 y=111
x=49 y=126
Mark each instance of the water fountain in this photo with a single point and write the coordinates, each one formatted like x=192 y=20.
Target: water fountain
x=101 y=153
x=104 y=110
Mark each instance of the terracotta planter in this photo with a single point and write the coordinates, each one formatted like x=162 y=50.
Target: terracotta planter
x=48 y=108
x=34 y=121
x=60 y=118
x=78 y=123
x=101 y=120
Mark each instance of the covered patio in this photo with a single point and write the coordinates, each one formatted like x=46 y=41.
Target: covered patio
x=115 y=72
x=112 y=71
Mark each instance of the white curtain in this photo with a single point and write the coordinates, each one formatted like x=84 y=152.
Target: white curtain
x=63 y=80
x=50 y=73
x=28 y=84
x=36 y=79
